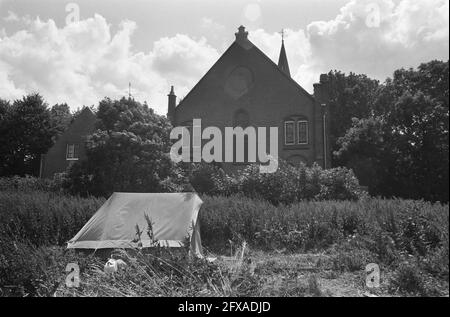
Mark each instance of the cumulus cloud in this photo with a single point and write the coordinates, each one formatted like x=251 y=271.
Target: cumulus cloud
x=374 y=37
x=407 y=34
x=82 y=62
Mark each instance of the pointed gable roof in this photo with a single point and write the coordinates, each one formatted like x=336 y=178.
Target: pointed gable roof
x=242 y=42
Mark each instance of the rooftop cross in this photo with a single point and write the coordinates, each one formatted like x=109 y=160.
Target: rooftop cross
x=282 y=34
x=282 y=61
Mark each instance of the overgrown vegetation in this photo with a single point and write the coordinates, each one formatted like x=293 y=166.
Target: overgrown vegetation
x=396 y=134
x=408 y=239
x=287 y=185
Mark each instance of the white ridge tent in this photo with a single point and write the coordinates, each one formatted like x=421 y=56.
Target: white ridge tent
x=173 y=217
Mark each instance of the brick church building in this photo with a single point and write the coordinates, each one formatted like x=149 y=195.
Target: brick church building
x=243 y=88
x=246 y=88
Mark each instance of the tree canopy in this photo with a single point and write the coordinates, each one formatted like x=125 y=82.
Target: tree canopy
x=350 y=97
x=128 y=152
x=401 y=148
x=26 y=132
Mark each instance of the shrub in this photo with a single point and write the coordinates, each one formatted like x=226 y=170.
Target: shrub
x=290 y=184
x=287 y=185
x=209 y=179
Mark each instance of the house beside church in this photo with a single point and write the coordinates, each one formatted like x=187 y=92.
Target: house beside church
x=69 y=146
x=246 y=88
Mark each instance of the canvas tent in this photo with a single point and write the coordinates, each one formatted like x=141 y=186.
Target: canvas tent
x=173 y=217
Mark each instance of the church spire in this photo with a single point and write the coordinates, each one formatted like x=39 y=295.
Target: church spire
x=282 y=60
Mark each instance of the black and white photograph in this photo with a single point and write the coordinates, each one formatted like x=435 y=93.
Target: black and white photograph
x=224 y=154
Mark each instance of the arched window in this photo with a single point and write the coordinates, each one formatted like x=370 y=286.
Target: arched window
x=302 y=130
x=289 y=132
x=296 y=130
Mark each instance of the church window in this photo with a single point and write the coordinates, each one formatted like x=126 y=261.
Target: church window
x=289 y=133
x=302 y=130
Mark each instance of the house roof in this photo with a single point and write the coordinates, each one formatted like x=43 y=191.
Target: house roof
x=243 y=42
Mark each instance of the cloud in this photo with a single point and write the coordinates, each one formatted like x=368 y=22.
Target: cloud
x=82 y=62
x=11 y=17
x=374 y=37
x=182 y=58
x=407 y=34
x=298 y=50
x=7 y=88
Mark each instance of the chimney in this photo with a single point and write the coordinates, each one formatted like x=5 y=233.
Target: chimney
x=322 y=118
x=321 y=92
x=241 y=38
x=171 y=105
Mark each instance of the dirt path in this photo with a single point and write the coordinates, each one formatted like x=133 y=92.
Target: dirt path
x=301 y=275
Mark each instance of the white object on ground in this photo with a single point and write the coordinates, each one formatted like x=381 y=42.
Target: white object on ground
x=114 y=265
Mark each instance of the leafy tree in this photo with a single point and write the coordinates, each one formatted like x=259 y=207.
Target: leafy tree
x=365 y=150
x=4 y=104
x=60 y=117
x=430 y=78
x=128 y=152
x=25 y=133
x=405 y=145
x=350 y=97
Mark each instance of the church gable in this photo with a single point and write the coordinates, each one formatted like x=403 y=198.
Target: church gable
x=246 y=88
x=242 y=72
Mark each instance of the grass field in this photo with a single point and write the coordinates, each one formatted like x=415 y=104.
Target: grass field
x=304 y=249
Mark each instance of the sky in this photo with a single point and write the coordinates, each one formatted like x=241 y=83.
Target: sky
x=79 y=52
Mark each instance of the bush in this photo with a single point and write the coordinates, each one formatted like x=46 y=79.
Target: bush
x=287 y=185
x=209 y=179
